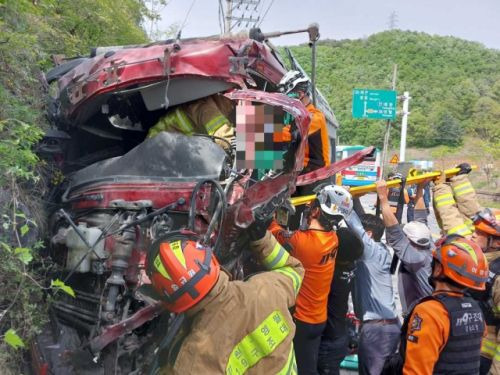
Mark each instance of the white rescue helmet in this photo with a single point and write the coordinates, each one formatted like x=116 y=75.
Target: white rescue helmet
x=294 y=80
x=418 y=233
x=335 y=200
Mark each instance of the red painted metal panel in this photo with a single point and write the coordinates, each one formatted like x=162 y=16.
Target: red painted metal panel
x=325 y=172
x=145 y=65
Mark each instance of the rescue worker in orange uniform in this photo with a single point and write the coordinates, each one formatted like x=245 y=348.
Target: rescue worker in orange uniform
x=235 y=327
x=317 y=152
x=317 y=155
x=207 y=115
x=316 y=247
x=444 y=331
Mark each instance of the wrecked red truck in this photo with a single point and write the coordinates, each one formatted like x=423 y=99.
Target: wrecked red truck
x=122 y=191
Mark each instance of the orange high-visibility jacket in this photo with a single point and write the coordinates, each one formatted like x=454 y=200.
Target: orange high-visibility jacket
x=428 y=332
x=316 y=249
x=317 y=153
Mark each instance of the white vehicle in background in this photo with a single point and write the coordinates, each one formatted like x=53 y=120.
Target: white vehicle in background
x=364 y=173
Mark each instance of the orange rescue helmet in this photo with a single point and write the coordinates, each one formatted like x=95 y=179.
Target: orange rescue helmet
x=488 y=221
x=463 y=261
x=182 y=271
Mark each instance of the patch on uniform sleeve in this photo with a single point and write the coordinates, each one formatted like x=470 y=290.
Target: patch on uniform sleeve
x=416 y=324
x=413 y=338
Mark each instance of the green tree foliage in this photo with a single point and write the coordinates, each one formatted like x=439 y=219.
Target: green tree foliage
x=448 y=130
x=454 y=85
x=30 y=33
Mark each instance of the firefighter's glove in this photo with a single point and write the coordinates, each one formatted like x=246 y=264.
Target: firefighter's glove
x=465 y=168
x=257 y=230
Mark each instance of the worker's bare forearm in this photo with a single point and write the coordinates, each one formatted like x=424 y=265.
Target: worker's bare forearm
x=387 y=214
x=419 y=199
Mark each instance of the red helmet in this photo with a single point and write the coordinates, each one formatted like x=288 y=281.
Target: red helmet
x=488 y=221
x=463 y=261
x=182 y=271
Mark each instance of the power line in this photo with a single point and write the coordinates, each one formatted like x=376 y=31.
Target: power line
x=221 y=17
x=267 y=10
x=185 y=19
x=260 y=14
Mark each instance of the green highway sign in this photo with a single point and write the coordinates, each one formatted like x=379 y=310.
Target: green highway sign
x=374 y=104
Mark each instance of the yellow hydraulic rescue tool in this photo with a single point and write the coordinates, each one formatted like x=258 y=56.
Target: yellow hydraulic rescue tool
x=362 y=190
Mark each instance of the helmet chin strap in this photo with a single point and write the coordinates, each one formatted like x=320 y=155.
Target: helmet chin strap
x=432 y=279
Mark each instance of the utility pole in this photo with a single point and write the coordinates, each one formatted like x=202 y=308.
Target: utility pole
x=388 y=127
x=404 y=125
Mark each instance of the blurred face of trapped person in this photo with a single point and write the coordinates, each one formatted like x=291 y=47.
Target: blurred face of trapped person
x=259 y=136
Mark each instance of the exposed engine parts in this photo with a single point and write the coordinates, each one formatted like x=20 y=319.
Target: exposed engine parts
x=76 y=240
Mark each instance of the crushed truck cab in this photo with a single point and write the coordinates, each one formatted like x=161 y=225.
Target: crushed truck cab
x=123 y=190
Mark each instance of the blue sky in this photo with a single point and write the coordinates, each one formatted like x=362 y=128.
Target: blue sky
x=477 y=20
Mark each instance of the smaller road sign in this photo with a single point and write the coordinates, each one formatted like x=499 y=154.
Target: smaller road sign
x=374 y=104
x=394 y=159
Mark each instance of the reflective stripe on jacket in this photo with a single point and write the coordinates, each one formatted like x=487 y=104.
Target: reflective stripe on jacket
x=209 y=113
x=450 y=212
x=465 y=196
x=490 y=304
x=206 y=116
x=489 y=343
x=174 y=121
x=245 y=326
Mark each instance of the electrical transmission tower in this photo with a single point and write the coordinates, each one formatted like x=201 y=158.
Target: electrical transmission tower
x=392 y=23
x=239 y=12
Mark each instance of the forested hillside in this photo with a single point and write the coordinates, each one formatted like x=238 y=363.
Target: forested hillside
x=454 y=85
